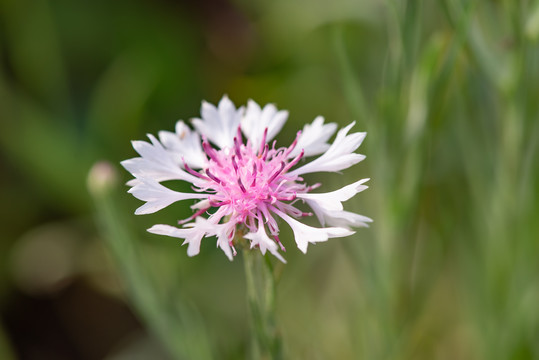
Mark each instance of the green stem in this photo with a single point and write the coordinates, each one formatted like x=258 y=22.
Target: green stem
x=265 y=340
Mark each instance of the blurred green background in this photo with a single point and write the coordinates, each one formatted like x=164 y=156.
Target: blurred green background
x=447 y=90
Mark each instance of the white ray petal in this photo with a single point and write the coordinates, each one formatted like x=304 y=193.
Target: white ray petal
x=156 y=163
x=332 y=201
x=184 y=145
x=133 y=182
x=264 y=242
x=157 y=196
x=219 y=124
x=256 y=120
x=346 y=219
x=305 y=234
x=314 y=137
x=339 y=156
x=223 y=243
x=192 y=233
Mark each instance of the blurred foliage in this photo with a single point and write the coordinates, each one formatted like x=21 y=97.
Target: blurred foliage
x=447 y=91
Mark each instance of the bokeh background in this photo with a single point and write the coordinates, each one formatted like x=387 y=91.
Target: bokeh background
x=447 y=90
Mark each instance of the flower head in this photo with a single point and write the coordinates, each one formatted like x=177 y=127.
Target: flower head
x=243 y=182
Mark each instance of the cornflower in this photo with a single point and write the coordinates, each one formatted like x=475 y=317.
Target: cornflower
x=243 y=182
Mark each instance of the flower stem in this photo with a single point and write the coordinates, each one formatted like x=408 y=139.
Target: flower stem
x=265 y=340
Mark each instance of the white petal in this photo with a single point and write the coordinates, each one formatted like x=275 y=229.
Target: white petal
x=184 y=145
x=332 y=201
x=203 y=204
x=133 y=182
x=347 y=219
x=314 y=137
x=156 y=163
x=194 y=232
x=339 y=156
x=256 y=120
x=264 y=242
x=304 y=234
x=193 y=235
x=219 y=124
x=223 y=243
x=157 y=196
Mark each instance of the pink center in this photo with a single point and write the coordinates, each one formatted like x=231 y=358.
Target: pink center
x=246 y=183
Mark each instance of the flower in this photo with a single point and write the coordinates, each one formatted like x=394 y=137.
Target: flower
x=243 y=181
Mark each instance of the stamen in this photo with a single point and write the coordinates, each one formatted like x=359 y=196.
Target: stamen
x=210 y=151
x=198 y=213
x=193 y=172
x=295 y=160
x=234 y=164
x=286 y=198
x=239 y=133
x=237 y=143
x=283 y=249
x=213 y=177
x=265 y=152
x=272 y=226
x=280 y=185
x=237 y=148
x=294 y=143
x=218 y=204
x=241 y=186
x=276 y=173
x=312 y=187
x=265 y=212
x=254 y=174
x=263 y=142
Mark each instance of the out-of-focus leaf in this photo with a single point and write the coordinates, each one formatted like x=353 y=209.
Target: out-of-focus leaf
x=34 y=51
x=52 y=156
x=119 y=99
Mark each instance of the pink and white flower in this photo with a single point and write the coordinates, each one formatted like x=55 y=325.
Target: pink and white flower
x=242 y=182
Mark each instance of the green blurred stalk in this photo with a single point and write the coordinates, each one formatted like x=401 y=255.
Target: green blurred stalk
x=174 y=324
x=261 y=285
x=503 y=270
x=391 y=305
x=353 y=90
